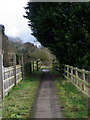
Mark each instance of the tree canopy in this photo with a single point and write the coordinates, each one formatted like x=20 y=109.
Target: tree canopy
x=29 y=51
x=64 y=28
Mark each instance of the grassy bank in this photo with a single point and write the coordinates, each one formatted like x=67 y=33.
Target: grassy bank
x=19 y=102
x=74 y=104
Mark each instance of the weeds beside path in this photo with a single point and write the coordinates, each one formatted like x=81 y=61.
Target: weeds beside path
x=18 y=104
x=74 y=103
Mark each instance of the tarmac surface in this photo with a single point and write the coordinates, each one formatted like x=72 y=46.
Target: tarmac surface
x=47 y=101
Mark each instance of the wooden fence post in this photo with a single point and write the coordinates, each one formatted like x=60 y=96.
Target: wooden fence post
x=22 y=64
x=33 y=66
x=72 y=74
x=37 y=65
x=19 y=60
x=67 y=71
x=30 y=67
x=1 y=76
x=77 y=76
x=1 y=63
x=89 y=97
x=1 y=38
x=14 y=65
x=83 y=80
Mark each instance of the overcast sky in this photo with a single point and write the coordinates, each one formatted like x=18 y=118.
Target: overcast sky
x=11 y=16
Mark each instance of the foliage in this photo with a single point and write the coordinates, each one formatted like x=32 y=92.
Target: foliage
x=44 y=55
x=34 y=53
x=28 y=50
x=64 y=28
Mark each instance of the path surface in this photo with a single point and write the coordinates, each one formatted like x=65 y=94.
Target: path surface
x=46 y=104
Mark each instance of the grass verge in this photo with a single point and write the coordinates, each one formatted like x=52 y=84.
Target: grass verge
x=19 y=102
x=74 y=103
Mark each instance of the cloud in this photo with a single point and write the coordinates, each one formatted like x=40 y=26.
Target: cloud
x=11 y=16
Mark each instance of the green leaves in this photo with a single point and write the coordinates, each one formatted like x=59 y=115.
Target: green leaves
x=62 y=27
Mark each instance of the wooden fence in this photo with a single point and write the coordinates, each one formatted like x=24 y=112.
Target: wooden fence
x=79 y=77
x=9 y=76
x=36 y=65
x=10 y=79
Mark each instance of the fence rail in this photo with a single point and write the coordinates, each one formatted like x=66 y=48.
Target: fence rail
x=9 y=78
x=36 y=65
x=80 y=78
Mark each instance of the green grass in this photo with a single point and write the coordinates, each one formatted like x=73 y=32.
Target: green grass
x=74 y=103
x=0 y=109
x=19 y=102
x=44 y=67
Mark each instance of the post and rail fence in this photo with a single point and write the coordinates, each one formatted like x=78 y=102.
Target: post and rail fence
x=36 y=65
x=79 y=77
x=9 y=76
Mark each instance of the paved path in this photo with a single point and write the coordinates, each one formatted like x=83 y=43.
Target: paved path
x=46 y=104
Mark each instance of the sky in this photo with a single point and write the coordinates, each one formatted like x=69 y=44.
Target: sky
x=11 y=16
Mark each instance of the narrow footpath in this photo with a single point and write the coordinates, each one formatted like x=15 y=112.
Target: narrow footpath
x=47 y=103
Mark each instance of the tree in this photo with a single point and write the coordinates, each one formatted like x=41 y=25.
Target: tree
x=64 y=28
x=44 y=55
